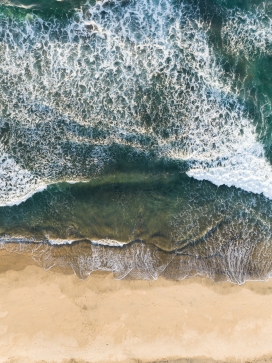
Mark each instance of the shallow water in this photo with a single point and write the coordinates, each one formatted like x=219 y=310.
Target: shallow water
x=138 y=126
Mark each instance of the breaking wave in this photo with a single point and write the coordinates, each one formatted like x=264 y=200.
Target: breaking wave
x=138 y=74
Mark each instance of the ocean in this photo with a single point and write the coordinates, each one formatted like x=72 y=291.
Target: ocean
x=135 y=136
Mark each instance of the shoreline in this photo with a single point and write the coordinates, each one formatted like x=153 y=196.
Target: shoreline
x=54 y=317
x=136 y=260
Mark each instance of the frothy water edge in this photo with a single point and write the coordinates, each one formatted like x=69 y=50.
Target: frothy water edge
x=144 y=261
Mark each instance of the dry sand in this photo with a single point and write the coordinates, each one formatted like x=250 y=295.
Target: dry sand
x=49 y=316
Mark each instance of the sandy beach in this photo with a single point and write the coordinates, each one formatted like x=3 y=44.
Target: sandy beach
x=52 y=316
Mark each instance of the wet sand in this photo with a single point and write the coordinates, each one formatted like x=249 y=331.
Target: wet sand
x=52 y=316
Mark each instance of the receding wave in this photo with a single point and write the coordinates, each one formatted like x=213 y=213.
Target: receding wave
x=143 y=261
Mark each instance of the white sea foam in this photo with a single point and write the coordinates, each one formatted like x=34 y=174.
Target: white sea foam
x=58 y=241
x=241 y=159
x=246 y=171
x=102 y=242
x=247 y=33
x=16 y=184
x=141 y=74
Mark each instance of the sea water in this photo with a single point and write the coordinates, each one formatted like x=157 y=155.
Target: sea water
x=135 y=136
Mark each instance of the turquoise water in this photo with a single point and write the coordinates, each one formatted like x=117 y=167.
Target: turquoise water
x=138 y=126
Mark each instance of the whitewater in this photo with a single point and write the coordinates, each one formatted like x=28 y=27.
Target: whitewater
x=142 y=75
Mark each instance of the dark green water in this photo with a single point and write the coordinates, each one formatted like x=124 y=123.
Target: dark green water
x=137 y=134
